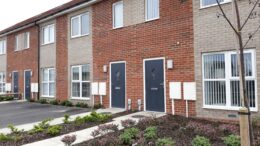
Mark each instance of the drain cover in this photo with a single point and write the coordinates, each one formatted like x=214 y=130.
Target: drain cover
x=139 y=116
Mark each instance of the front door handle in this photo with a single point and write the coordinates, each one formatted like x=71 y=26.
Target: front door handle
x=117 y=88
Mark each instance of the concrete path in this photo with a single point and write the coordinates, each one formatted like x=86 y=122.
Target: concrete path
x=59 y=120
x=85 y=135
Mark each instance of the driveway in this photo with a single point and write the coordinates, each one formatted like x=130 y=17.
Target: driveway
x=24 y=112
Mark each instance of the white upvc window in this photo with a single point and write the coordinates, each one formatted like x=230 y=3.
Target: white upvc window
x=17 y=44
x=22 y=41
x=152 y=9
x=26 y=40
x=2 y=47
x=48 y=82
x=80 y=82
x=80 y=25
x=208 y=3
x=221 y=80
x=2 y=82
x=48 y=33
x=118 y=14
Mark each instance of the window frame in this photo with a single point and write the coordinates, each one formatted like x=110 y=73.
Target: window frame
x=26 y=40
x=49 y=34
x=113 y=13
x=80 y=25
x=17 y=43
x=79 y=81
x=146 y=12
x=48 y=82
x=3 y=45
x=228 y=78
x=3 y=82
x=211 y=5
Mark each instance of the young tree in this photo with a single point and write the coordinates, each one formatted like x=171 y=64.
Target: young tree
x=237 y=27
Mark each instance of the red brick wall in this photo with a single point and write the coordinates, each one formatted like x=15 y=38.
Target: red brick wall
x=24 y=59
x=146 y=40
x=62 y=58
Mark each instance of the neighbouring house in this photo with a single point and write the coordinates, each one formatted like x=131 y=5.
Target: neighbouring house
x=2 y=64
x=216 y=72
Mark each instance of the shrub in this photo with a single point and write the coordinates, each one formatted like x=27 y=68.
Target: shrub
x=66 y=119
x=128 y=135
x=200 y=141
x=43 y=101
x=150 y=133
x=98 y=106
x=104 y=129
x=6 y=98
x=4 y=137
x=40 y=127
x=14 y=130
x=82 y=105
x=79 y=121
x=54 y=102
x=165 y=142
x=203 y=129
x=54 y=130
x=232 y=140
x=128 y=123
x=68 y=140
x=66 y=103
x=95 y=117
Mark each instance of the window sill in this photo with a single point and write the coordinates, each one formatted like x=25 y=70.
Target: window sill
x=43 y=96
x=48 y=44
x=80 y=98
x=115 y=28
x=227 y=108
x=2 y=54
x=149 y=20
x=79 y=36
x=213 y=5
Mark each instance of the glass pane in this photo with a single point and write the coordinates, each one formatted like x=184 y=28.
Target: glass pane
x=210 y=2
x=1 y=88
x=85 y=73
x=52 y=34
x=45 y=35
x=45 y=75
x=75 y=89
x=85 y=89
x=75 y=73
x=247 y=63
x=214 y=66
x=52 y=75
x=215 y=93
x=235 y=93
x=1 y=47
x=52 y=89
x=85 y=24
x=118 y=15
x=75 y=26
x=152 y=9
x=1 y=77
x=45 y=89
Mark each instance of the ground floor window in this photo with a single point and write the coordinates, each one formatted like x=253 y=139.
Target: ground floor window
x=48 y=82
x=2 y=82
x=80 y=81
x=221 y=79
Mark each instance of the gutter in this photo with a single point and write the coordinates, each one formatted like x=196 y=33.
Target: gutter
x=62 y=12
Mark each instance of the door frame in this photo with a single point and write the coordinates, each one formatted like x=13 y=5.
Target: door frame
x=144 y=84
x=110 y=82
x=24 y=81
x=13 y=80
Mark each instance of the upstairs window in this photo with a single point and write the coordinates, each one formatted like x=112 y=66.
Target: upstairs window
x=152 y=10
x=22 y=41
x=207 y=3
x=80 y=25
x=118 y=15
x=2 y=47
x=2 y=82
x=48 y=34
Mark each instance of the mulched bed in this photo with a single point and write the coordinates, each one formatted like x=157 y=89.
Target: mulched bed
x=26 y=138
x=182 y=130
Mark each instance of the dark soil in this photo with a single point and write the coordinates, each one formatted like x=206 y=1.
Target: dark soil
x=25 y=137
x=179 y=129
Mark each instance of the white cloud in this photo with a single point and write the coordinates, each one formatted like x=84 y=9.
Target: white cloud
x=14 y=11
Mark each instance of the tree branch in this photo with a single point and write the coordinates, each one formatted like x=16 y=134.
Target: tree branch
x=249 y=15
x=251 y=36
x=225 y=16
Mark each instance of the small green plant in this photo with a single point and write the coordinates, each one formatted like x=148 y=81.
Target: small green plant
x=200 y=141
x=66 y=119
x=41 y=127
x=54 y=102
x=98 y=106
x=150 y=133
x=43 y=101
x=79 y=121
x=54 y=130
x=82 y=105
x=165 y=142
x=4 y=137
x=66 y=103
x=232 y=140
x=128 y=135
x=14 y=130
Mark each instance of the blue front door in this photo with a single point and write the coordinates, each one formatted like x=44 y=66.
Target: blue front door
x=27 y=85
x=118 y=85
x=154 y=85
x=15 y=83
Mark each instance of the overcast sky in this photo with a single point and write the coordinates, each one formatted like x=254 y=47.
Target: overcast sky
x=14 y=11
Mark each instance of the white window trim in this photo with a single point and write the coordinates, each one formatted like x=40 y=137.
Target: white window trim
x=146 y=12
x=27 y=34
x=212 y=5
x=48 y=82
x=48 y=27
x=3 y=82
x=114 y=4
x=78 y=81
x=228 y=79
x=80 y=27
x=3 y=42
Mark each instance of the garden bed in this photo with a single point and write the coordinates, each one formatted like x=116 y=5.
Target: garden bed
x=18 y=138
x=177 y=129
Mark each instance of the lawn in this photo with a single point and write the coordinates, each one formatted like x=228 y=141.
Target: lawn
x=168 y=131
